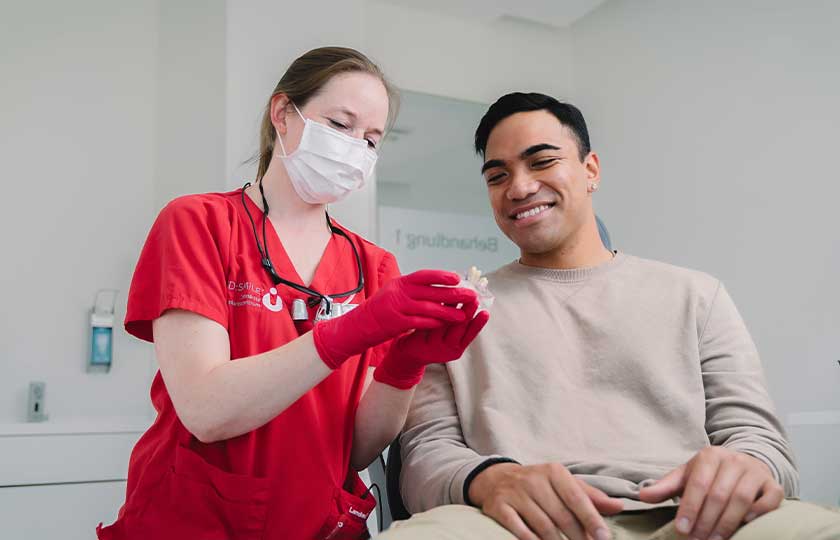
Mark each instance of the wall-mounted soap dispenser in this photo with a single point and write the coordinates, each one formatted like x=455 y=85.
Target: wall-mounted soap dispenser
x=102 y=331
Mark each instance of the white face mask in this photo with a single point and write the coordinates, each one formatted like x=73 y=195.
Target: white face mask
x=327 y=164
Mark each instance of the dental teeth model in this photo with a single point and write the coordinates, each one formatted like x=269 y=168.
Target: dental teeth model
x=474 y=280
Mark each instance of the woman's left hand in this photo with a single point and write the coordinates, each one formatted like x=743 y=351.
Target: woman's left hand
x=409 y=355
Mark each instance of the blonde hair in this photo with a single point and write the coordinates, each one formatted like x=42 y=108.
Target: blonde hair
x=306 y=77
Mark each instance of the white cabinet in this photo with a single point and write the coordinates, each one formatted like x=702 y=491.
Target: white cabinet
x=60 y=511
x=59 y=480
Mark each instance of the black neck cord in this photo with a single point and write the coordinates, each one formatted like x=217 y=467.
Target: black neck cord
x=314 y=296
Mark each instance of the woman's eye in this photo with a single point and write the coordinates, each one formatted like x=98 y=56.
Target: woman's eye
x=371 y=144
x=339 y=125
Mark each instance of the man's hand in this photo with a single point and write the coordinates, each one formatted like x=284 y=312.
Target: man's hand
x=539 y=502
x=720 y=489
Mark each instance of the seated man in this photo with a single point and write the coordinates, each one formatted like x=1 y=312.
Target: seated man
x=610 y=396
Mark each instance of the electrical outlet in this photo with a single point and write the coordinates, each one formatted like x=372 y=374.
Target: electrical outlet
x=37 y=400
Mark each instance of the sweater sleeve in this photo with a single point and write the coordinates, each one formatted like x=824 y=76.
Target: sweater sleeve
x=739 y=412
x=436 y=461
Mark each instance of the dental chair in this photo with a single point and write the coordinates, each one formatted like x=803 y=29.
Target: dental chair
x=386 y=470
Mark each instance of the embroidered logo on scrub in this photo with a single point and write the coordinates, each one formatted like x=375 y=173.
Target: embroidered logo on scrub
x=275 y=305
x=246 y=293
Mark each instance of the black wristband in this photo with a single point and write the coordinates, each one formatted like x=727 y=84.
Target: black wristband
x=478 y=470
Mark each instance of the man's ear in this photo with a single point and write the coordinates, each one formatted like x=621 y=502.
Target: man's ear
x=280 y=105
x=592 y=164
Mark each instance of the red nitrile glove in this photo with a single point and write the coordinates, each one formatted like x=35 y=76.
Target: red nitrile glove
x=405 y=303
x=406 y=361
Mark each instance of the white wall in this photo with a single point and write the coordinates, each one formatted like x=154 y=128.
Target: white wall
x=429 y=238
x=263 y=38
x=463 y=58
x=109 y=111
x=191 y=78
x=418 y=51
x=427 y=162
x=714 y=122
x=716 y=126
x=77 y=146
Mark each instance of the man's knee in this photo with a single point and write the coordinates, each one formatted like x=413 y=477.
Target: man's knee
x=450 y=522
x=794 y=520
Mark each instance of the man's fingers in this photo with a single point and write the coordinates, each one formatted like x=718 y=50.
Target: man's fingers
x=605 y=504
x=567 y=523
x=719 y=498
x=744 y=495
x=543 y=493
x=771 y=497
x=512 y=521
x=537 y=520
x=697 y=484
x=670 y=485
x=578 y=502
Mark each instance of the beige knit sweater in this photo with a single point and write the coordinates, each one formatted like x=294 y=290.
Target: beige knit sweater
x=620 y=372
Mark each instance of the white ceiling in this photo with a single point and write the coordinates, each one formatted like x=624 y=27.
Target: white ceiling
x=556 y=13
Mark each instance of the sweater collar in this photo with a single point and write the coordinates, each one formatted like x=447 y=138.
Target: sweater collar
x=567 y=275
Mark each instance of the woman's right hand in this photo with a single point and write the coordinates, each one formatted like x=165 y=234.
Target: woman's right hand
x=406 y=303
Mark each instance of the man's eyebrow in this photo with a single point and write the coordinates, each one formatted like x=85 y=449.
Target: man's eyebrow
x=531 y=150
x=492 y=163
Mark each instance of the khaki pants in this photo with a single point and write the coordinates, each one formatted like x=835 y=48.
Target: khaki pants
x=794 y=520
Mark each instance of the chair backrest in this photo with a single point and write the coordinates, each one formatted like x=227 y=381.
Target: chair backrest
x=604 y=233
x=393 y=465
x=376 y=475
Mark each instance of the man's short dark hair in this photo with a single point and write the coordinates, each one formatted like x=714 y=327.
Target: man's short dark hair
x=516 y=102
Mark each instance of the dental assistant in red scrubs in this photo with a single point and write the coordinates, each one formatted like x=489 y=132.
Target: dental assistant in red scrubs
x=288 y=346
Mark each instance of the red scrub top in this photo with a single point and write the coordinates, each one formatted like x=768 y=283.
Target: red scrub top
x=284 y=479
